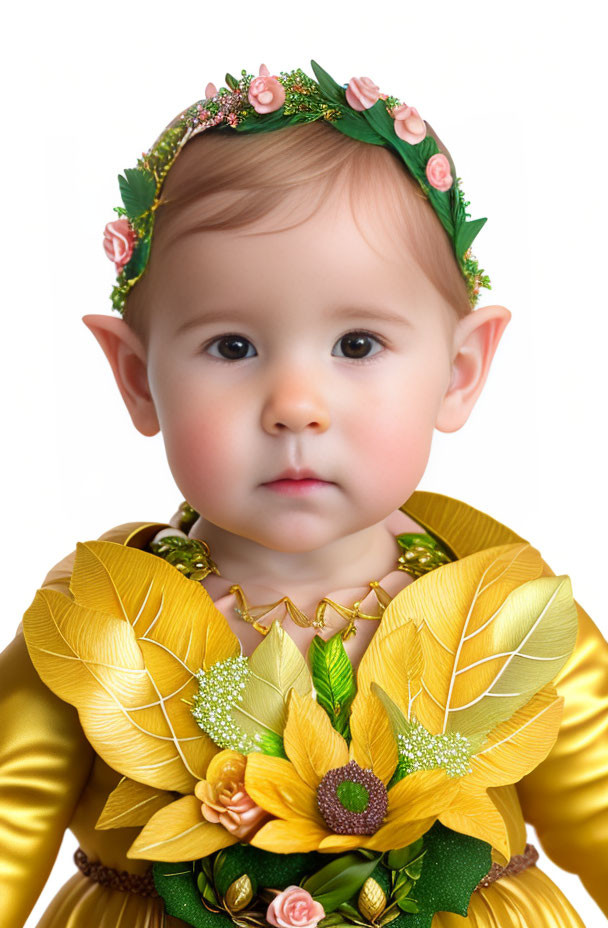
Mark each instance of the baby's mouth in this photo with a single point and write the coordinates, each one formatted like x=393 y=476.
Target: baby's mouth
x=293 y=482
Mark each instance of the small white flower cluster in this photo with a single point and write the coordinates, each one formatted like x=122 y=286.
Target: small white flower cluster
x=420 y=750
x=219 y=688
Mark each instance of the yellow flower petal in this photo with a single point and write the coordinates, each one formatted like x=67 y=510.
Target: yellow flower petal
x=272 y=782
x=311 y=743
x=298 y=835
x=413 y=805
x=397 y=834
x=373 y=743
x=179 y=832
x=394 y=661
x=475 y=814
x=335 y=844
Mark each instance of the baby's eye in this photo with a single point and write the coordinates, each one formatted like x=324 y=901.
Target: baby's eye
x=231 y=347
x=357 y=344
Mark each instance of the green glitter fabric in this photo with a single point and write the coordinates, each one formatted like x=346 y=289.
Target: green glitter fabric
x=233 y=107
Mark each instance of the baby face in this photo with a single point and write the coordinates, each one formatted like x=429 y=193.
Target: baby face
x=307 y=349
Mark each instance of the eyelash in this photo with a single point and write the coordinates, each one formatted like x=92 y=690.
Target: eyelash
x=364 y=360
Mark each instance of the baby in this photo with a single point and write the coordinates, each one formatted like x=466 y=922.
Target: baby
x=301 y=325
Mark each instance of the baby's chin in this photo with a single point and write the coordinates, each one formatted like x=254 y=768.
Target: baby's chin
x=301 y=533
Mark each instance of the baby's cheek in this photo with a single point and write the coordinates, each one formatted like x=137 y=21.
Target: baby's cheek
x=202 y=453
x=395 y=448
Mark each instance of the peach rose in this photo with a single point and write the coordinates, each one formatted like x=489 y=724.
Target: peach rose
x=438 y=172
x=118 y=242
x=294 y=908
x=408 y=124
x=362 y=93
x=266 y=94
x=224 y=798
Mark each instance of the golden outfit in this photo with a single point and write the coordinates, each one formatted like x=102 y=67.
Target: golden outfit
x=52 y=779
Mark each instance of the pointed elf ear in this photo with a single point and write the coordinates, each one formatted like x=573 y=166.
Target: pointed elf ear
x=127 y=357
x=476 y=338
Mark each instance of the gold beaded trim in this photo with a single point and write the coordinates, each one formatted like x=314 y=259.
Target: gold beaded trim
x=420 y=554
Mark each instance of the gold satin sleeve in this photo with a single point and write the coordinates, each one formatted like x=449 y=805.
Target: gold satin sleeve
x=566 y=797
x=44 y=763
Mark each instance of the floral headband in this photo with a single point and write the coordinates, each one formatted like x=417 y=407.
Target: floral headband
x=267 y=102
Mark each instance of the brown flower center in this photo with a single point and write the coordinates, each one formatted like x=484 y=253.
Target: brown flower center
x=352 y=800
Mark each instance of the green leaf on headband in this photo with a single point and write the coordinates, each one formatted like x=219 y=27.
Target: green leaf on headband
x=329 y=88
x=139 y=258
x=138 y=191
x=465 y=233
x=333 y=679
x=265 y=122
x=350 y=123
x=231 y=81
x=382 y=121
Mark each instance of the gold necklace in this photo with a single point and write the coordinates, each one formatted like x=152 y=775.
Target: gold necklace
x=192 y=557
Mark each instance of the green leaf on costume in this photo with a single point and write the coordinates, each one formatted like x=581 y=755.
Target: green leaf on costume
x=271 y=743
x=465 y=233
x=138 y=191
x=401 y=857
x=333 y=679
x=339 y=880
x=329 y=88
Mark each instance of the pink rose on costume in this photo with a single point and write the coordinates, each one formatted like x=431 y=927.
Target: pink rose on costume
x=266 y=94
x=408 y=124
x=438 y=172
x=294 y=908
x=118 y=242
x=362 y=93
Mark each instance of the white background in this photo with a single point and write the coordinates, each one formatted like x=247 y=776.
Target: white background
x=515 y=90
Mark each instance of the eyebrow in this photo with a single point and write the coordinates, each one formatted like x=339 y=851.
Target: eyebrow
x=358 y=312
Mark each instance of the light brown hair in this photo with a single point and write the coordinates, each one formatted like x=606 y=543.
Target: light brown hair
x=266 y=167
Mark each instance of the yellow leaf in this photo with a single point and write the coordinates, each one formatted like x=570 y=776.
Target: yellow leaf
x=373 y=743
x=493 y=632
x=518 y=745
x=276 y=667
x=179 y=832
x=311 y=743
x=125 y=654
x=131 y=804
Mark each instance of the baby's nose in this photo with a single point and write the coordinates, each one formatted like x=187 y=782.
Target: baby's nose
x=295 y=403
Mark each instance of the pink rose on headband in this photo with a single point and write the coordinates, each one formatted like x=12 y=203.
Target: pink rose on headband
x=210 y=91
x=408 y=124
x=118 y=242
x=294 y=908
x=266 y=94
x=362 y=93
x=438 y=172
